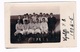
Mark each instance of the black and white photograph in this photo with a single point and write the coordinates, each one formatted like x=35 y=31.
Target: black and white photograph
x=35 y=24
x=40 y=24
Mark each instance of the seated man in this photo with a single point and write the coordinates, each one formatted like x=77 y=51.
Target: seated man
x=18 y=27
x=25 y=27
x=44 y=26
x=34 y=27
x=38 y=30
x=37 y=25
x=44 y=29
x=31 y=24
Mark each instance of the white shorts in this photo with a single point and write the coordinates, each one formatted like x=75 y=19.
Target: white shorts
x=45 y=31
x=37 y=31
x=30 y=31
x=18 y=31
x=24 y=31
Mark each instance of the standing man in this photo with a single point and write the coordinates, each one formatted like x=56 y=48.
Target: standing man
x=51 y=26
x=51 y=23
x=34 y=17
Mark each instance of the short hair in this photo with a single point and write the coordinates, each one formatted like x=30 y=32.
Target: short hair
x=40 y=12
x=33 y=12
x=51 y=13
x=26 y=14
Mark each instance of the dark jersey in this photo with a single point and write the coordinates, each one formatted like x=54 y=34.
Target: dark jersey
x=51 y=23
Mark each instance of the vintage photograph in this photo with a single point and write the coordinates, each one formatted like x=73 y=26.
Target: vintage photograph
x=40 y=24
x=35 y=24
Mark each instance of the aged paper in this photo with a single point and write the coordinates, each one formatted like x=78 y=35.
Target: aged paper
x=64 y=12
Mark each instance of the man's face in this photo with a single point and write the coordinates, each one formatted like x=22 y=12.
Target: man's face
x=37 y=20
x=43 y=20
x=51 y=16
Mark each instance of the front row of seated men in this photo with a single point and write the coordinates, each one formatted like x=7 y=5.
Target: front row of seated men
x=32 y=29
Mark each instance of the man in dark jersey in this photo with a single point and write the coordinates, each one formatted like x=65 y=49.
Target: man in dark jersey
x=51 y=24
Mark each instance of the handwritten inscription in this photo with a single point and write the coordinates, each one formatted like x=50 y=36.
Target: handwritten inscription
x=65 y=31
x=72 y=26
